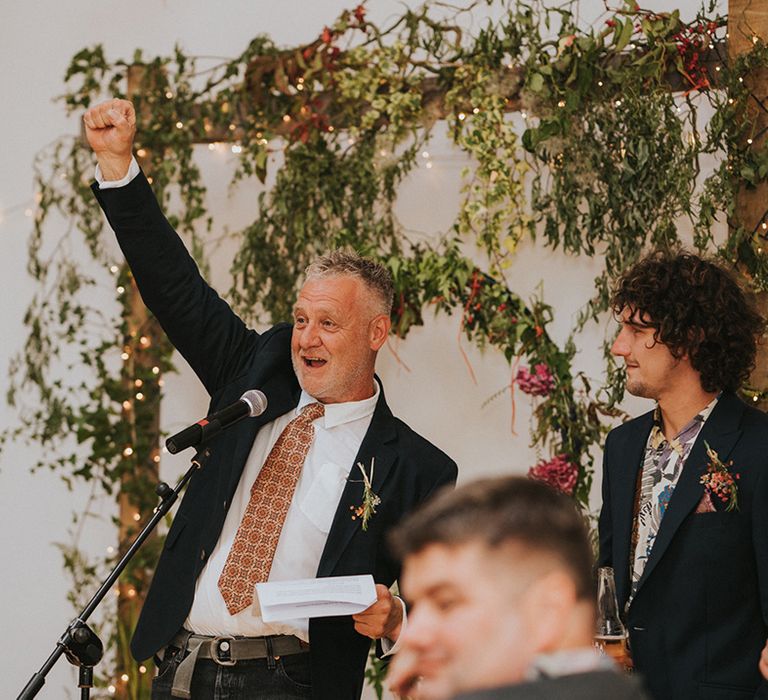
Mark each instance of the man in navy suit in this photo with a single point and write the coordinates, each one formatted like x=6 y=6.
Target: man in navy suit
x=324 y=403
x=684 y=521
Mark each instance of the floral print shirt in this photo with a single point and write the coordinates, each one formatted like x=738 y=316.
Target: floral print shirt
x=662 y=465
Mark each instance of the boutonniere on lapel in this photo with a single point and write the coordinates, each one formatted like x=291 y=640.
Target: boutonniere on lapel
x=720 y=481
x=370 y=500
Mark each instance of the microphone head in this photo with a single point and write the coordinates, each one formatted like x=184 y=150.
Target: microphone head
x=256 y=400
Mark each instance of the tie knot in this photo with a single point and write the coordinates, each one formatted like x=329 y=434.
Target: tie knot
x=312 y=411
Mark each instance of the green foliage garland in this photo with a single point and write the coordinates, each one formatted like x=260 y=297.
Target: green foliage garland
x=606 y=163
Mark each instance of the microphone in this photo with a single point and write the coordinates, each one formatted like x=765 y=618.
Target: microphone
x=251 y=404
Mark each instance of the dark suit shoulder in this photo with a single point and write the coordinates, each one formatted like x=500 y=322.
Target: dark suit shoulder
x=625 y=429
x=595 y=685
x=421 y=448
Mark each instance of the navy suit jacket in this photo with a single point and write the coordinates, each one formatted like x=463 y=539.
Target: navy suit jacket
x=700 y=615
x=230 y=358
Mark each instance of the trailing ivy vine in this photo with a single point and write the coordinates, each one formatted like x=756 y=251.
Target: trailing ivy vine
x=587 y=138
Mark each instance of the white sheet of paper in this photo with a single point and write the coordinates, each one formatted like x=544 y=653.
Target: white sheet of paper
x=313 y=597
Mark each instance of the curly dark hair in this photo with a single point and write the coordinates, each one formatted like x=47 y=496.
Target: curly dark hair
x=697 y=308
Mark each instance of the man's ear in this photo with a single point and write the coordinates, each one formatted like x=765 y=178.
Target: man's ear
x=378 y=331
x=549 y=602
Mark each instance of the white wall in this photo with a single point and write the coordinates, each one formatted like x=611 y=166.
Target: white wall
x=437 y=396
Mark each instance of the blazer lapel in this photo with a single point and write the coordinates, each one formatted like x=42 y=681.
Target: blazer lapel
x=721 y=432
x=377 y=445
x=632 y=454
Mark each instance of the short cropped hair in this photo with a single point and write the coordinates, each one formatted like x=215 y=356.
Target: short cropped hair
x=695 y=307
x=502 y=511
x=374 y=275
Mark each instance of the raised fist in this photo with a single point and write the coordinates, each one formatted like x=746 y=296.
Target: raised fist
x=109 y=128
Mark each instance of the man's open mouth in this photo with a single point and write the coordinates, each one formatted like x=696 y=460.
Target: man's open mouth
x=313 y=361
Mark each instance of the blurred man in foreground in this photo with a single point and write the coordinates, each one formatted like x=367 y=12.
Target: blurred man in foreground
x=499 y=578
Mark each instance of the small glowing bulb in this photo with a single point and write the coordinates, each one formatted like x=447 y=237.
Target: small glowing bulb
x=717 y=68
x=429 y=165
x=462 y=116
x=126 y=405
x=749 y=141
x=179 y=125
x=524 y=115
x=599 y=83
x=237 y=149
x=286 y=117
x=155 y=370
x=144 y=341
x=124 y=356
x=476 y=110
x=141 y=153
x=425 y=154
x=110 y=549
x=156 y=459
x=618 y=103
x=764 y=225
x=114 y=269
x=136 y=517
x=124 y=678
x=127 y=452
x=150 y=179
x=299 y=87
x=755 y=399
x=111 y=689
x=330 y=128
x=730 y=100
x=161 y=382
x=562 y=103
x=142 y=669
x=211 y=146
x=232 y=127
x=121 y=289
x=139 y=396
x=138 y=383
x=169 y=95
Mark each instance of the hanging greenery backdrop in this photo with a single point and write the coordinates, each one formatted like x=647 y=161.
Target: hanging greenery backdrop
x=585 y=138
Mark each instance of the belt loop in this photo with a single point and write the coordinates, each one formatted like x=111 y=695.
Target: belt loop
x=271 y=665
x=182 y=679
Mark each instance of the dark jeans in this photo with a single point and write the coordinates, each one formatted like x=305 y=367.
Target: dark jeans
x=286 y=678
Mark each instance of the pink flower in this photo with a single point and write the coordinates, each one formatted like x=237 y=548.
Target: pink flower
x=540 y=382
x=558 y=472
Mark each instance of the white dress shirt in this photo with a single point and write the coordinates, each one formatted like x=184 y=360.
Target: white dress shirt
x=338 y=436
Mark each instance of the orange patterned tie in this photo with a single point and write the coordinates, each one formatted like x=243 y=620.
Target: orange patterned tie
x=250 y=559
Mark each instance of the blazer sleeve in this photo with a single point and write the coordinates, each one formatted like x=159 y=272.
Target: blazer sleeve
x=605 y=521
x=202 y=327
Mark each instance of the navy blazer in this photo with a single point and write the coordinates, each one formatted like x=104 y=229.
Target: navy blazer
x=700 y=615
x=230 y=358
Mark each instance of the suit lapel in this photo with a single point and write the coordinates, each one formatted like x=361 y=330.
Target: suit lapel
x=633 y=452
x=377 y=445
x=721 y=432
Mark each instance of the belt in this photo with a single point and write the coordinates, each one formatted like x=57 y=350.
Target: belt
x=226 y=651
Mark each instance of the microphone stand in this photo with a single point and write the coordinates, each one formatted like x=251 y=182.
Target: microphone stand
x=79 y=643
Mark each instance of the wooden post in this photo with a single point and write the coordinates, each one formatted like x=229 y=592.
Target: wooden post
x=141 y=380
x=748 y=21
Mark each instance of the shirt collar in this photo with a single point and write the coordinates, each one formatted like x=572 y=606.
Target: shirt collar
x=567 y=662
x=340 y=413
x=657 y=438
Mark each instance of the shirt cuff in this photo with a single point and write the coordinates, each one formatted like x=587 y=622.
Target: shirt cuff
x=133 y=171
x=388 y=647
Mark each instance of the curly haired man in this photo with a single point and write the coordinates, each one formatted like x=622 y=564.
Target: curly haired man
x=684 y=520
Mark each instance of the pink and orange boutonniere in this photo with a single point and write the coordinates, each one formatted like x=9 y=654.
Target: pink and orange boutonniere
x=719 y=480
x=367 y=508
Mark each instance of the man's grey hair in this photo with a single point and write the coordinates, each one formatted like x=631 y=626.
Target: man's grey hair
x=374 y=275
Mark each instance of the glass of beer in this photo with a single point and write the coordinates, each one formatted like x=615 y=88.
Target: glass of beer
x=611 y=634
